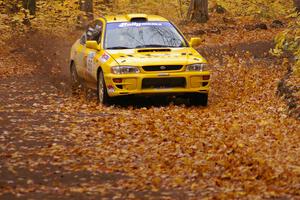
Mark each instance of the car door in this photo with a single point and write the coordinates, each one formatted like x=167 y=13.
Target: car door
x=79 y=56
x=94 y=33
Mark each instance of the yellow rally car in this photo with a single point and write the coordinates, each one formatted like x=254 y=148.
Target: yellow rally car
x=139 y=54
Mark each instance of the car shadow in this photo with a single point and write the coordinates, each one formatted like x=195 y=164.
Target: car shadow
x=150 y=101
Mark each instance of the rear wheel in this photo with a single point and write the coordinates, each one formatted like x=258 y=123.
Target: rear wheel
x=103 y=97
x=199 y=99
x=75 y=83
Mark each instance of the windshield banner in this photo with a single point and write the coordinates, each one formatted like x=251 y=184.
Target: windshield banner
x=136 y=24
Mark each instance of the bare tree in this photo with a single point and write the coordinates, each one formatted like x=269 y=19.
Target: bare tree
x=87 y=6
x=30 y=5
x=84 y=19
x=297 y=5
x=107 y=2
x=198 y=11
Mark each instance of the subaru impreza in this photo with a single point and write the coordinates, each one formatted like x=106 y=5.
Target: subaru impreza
x=139 y=54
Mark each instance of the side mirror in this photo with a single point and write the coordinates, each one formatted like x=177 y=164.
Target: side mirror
x=92 y=44
x=195 y=42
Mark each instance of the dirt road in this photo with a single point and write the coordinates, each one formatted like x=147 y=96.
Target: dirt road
x=54 y=145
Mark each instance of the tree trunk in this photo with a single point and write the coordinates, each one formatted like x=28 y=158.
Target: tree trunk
x=180 y=8
x=86 y=5
x=198 y=11
x=107 y=2
x=297 y=5
x=30 y=5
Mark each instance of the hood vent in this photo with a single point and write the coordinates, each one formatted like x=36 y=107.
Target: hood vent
x=153 y=50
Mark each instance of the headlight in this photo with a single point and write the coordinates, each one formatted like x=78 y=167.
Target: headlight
x=125 y=70
x=198 y=67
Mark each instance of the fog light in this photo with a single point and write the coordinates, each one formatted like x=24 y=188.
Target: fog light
x=204 y=84
x=117 y=80
x=206 y=77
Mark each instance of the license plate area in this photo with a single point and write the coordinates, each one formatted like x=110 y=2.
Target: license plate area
x=163 y=83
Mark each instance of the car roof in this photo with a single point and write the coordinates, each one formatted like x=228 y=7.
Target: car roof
x=129 y=17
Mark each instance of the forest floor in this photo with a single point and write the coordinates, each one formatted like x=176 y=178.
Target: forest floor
x=57 y=145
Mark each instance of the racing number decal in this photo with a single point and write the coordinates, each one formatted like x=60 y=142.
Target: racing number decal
x=90 y=62
x=104 y=58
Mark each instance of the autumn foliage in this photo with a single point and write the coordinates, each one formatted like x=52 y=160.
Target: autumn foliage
x=244 y=145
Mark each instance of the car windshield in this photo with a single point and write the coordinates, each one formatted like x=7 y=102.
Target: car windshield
x=131 y=35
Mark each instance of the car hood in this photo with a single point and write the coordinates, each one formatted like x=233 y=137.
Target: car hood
x=156 y=56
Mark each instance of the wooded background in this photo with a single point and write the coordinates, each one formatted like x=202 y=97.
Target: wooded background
x=64 y=14
x=196 y=10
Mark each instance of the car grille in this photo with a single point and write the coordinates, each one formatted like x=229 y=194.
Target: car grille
x=151 y=83
x=154 y=68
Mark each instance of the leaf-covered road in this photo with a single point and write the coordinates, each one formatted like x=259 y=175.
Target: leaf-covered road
x=57 y=146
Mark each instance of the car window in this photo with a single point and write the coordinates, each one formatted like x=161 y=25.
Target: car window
x=83 y=39
x=94 y=31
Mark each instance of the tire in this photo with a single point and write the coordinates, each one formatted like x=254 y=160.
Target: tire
x=102 y=94
x=199 y=99
x=75 y=83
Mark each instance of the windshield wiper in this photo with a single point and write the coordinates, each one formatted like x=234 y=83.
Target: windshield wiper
x=118 y=47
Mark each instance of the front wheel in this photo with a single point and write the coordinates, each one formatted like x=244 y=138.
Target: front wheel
x=103 y=97
x=199 y=99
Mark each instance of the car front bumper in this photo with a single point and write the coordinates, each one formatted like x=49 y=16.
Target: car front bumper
x=157 y=83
